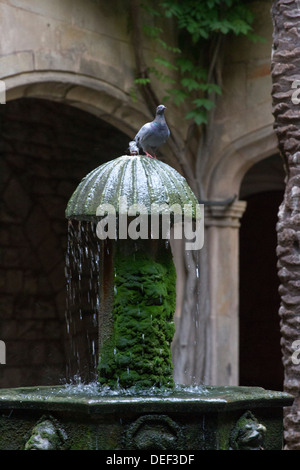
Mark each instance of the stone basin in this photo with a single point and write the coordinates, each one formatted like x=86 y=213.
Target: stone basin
x=188 y=418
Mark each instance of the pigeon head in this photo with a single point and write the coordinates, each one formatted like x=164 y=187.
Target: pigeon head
x=160 y=109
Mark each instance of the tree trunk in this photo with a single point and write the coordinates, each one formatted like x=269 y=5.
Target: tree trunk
x=286 y=110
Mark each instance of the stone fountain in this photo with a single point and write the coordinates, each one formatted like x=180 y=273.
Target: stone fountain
x=134 y=404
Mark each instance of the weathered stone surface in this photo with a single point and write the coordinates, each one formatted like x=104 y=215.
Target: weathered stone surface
x=23 y=59
x=206 y=418
x=285 y=69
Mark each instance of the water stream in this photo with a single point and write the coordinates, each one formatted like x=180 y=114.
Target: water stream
x=82 y=300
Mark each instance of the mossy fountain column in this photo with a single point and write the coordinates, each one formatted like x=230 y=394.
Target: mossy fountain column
x=135 y=200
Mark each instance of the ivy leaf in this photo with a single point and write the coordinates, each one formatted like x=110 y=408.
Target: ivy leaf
x=205 y=103
x=165 y=63
x=199 y=116
x=133 y=94
x=214 y=88
x=256 y=38
x=161 y=76
x=152 y=31
x=142 y=81
x=190 y=84
x=150 y=10
x=184 y=64
x=178 y=96
x=210 y=88
x=162 y=43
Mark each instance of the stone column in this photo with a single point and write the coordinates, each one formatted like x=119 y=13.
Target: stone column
x=222 y=242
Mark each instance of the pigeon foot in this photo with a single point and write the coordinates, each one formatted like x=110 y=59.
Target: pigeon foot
x=148 y=155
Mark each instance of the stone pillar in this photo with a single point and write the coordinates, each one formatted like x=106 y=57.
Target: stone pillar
x=222 y=243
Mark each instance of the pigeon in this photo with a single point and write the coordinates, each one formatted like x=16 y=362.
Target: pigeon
x=153 y=134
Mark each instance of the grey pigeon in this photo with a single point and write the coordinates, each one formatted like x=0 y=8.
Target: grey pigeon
x=153 y=134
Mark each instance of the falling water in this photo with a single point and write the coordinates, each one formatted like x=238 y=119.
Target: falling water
x=82 y=300
x=82 y=306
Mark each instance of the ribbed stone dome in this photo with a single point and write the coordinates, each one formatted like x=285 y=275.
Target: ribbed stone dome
x=142 y=180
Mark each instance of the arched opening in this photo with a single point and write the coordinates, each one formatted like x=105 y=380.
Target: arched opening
x=46 y=149
x=260 y=362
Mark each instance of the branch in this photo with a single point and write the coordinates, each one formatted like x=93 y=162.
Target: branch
x=149 y=95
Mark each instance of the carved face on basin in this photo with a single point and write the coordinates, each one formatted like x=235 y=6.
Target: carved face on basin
x=45 y=436
x=248 y=434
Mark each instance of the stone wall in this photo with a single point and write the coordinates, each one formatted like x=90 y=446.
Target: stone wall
x=46 y=149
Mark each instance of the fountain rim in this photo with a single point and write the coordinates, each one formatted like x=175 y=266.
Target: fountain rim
x=218 y=398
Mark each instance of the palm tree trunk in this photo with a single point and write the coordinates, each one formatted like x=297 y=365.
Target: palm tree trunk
x=286 y=110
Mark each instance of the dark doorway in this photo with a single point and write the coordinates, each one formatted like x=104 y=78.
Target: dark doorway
x=260 y=351
x=46 y=148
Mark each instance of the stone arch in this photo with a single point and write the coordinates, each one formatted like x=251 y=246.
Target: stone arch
x=237 y=158
x=90 y=94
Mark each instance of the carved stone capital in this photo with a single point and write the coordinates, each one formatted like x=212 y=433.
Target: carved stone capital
x=228 y=216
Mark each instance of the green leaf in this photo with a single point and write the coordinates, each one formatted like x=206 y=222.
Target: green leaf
x=198 y=117
x=161 y=76
x=185 y=65
x=152 y=31
x=142 y=81
x=133 y=94
x=162 y=43
x=178 y=96
x=165 y=63
x=214 y=88
x=190 y=84
x=256 y=38
x=205 y=103
x=150 y=10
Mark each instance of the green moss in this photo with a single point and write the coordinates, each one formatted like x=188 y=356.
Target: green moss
x=139 y=352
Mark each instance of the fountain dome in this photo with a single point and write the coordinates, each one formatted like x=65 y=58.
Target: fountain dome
x=140 y=179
